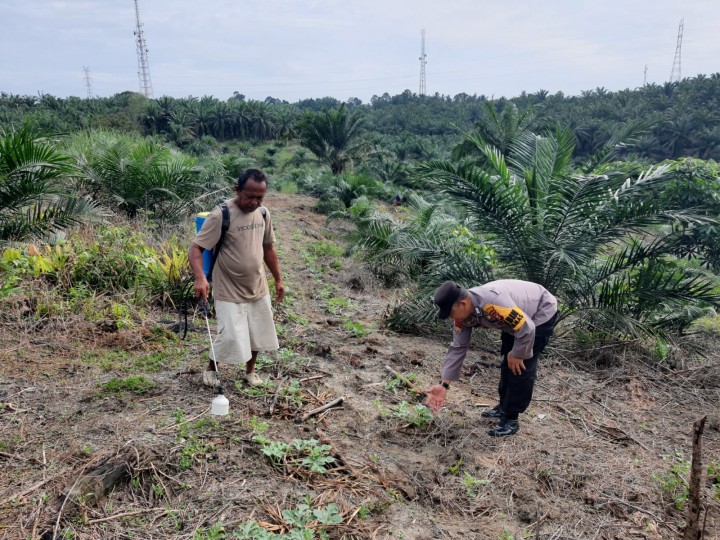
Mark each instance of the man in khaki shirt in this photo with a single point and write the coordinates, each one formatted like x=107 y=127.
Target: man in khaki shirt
x=240 y=289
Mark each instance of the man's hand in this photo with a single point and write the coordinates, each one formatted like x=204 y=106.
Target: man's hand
x=279 y=291
x=202 y=288
x=436 y=397
x=516 y=365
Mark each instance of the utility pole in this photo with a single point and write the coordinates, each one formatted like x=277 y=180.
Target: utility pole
x=143 y=66
x=423 y=61
x=676 y=73
x=88 y=82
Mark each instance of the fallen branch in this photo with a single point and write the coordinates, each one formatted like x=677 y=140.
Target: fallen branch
x=328 y=405
x=16 y=457
x=314 y=377
x=125 y=514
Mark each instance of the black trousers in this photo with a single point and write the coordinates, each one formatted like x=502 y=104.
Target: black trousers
x=516 y=391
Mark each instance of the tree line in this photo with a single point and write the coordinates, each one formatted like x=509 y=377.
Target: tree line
x=670 y=120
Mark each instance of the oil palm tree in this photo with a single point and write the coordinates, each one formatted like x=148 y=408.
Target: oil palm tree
x=35 y=198
x=134 y=175
x=333 y=136
x=591 y=239
x=497 y=128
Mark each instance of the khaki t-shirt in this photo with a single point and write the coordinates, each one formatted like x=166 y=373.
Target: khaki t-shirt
x=239 y=273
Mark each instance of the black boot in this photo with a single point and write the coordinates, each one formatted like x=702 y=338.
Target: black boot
x=505 y=428
x=495 y=412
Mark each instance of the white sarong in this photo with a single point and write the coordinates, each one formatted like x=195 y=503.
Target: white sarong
x=242 y=329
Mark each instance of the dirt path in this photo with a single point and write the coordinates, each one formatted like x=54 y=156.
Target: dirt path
x=581 y=467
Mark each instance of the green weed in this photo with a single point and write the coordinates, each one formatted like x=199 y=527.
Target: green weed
x=323 y=248
x=306 y=523
x=417 y=415
x=470 y=483
x=306 y=454
x=194 y=450
x=336 y=305
x=137 y=385
x=673 y=480
x=355 y=328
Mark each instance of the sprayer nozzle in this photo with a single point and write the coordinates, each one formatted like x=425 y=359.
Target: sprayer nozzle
x=219 y=391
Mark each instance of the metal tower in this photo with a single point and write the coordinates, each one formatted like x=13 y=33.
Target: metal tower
x=645 y=76
x=675 y=74
x=423 y=61
x=143 y=66
x=88 y=82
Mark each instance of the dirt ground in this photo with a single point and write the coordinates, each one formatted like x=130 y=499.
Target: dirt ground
x=593 y=459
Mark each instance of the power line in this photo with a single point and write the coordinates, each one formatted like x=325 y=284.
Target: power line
x=88 y=82
x=423 y=61
x=676 y=73
x=143 y=65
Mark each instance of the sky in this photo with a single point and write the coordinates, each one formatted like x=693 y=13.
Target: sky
x=301 y=49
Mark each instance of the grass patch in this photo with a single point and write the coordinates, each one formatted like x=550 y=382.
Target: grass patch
x=137 y=385
x=323 y=248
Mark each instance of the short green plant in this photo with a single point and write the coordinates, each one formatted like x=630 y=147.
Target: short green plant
x=306 y=454
x=507 y=535
x=257 y=426
x=470 y=483
x=400 y=381
x=262 y=390
x=713 y=476
x=306 y=523
x=455 y=469
x=336 y=305
x=323 y=248
x=297 y=319
x=215 y=532
x=416 y=415
x=355 y=328
x=292 y=394
x=158 y=490
x=194 y=450
x=673 y=480
x=137 y=385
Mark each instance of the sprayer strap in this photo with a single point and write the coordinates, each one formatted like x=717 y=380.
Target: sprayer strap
x=223 y=229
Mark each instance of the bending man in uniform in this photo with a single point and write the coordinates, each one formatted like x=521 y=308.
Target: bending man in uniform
x=526 y=314
x=240 y=289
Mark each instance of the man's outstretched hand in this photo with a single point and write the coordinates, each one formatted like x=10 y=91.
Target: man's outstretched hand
x=436 y=397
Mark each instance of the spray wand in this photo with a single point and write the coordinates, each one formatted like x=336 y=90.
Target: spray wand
x=220 y=404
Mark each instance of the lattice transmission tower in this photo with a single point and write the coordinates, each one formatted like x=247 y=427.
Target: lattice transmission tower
x=423 y=61
x=142 y=51
x=88 y=82
x=676 y=73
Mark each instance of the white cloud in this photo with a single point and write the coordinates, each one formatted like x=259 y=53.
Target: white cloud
x=302 y=48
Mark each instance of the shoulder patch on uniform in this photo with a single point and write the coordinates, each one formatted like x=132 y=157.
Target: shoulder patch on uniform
x=512 y=317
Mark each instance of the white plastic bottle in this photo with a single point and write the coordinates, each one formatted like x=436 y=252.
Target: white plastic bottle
x=220 y=405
